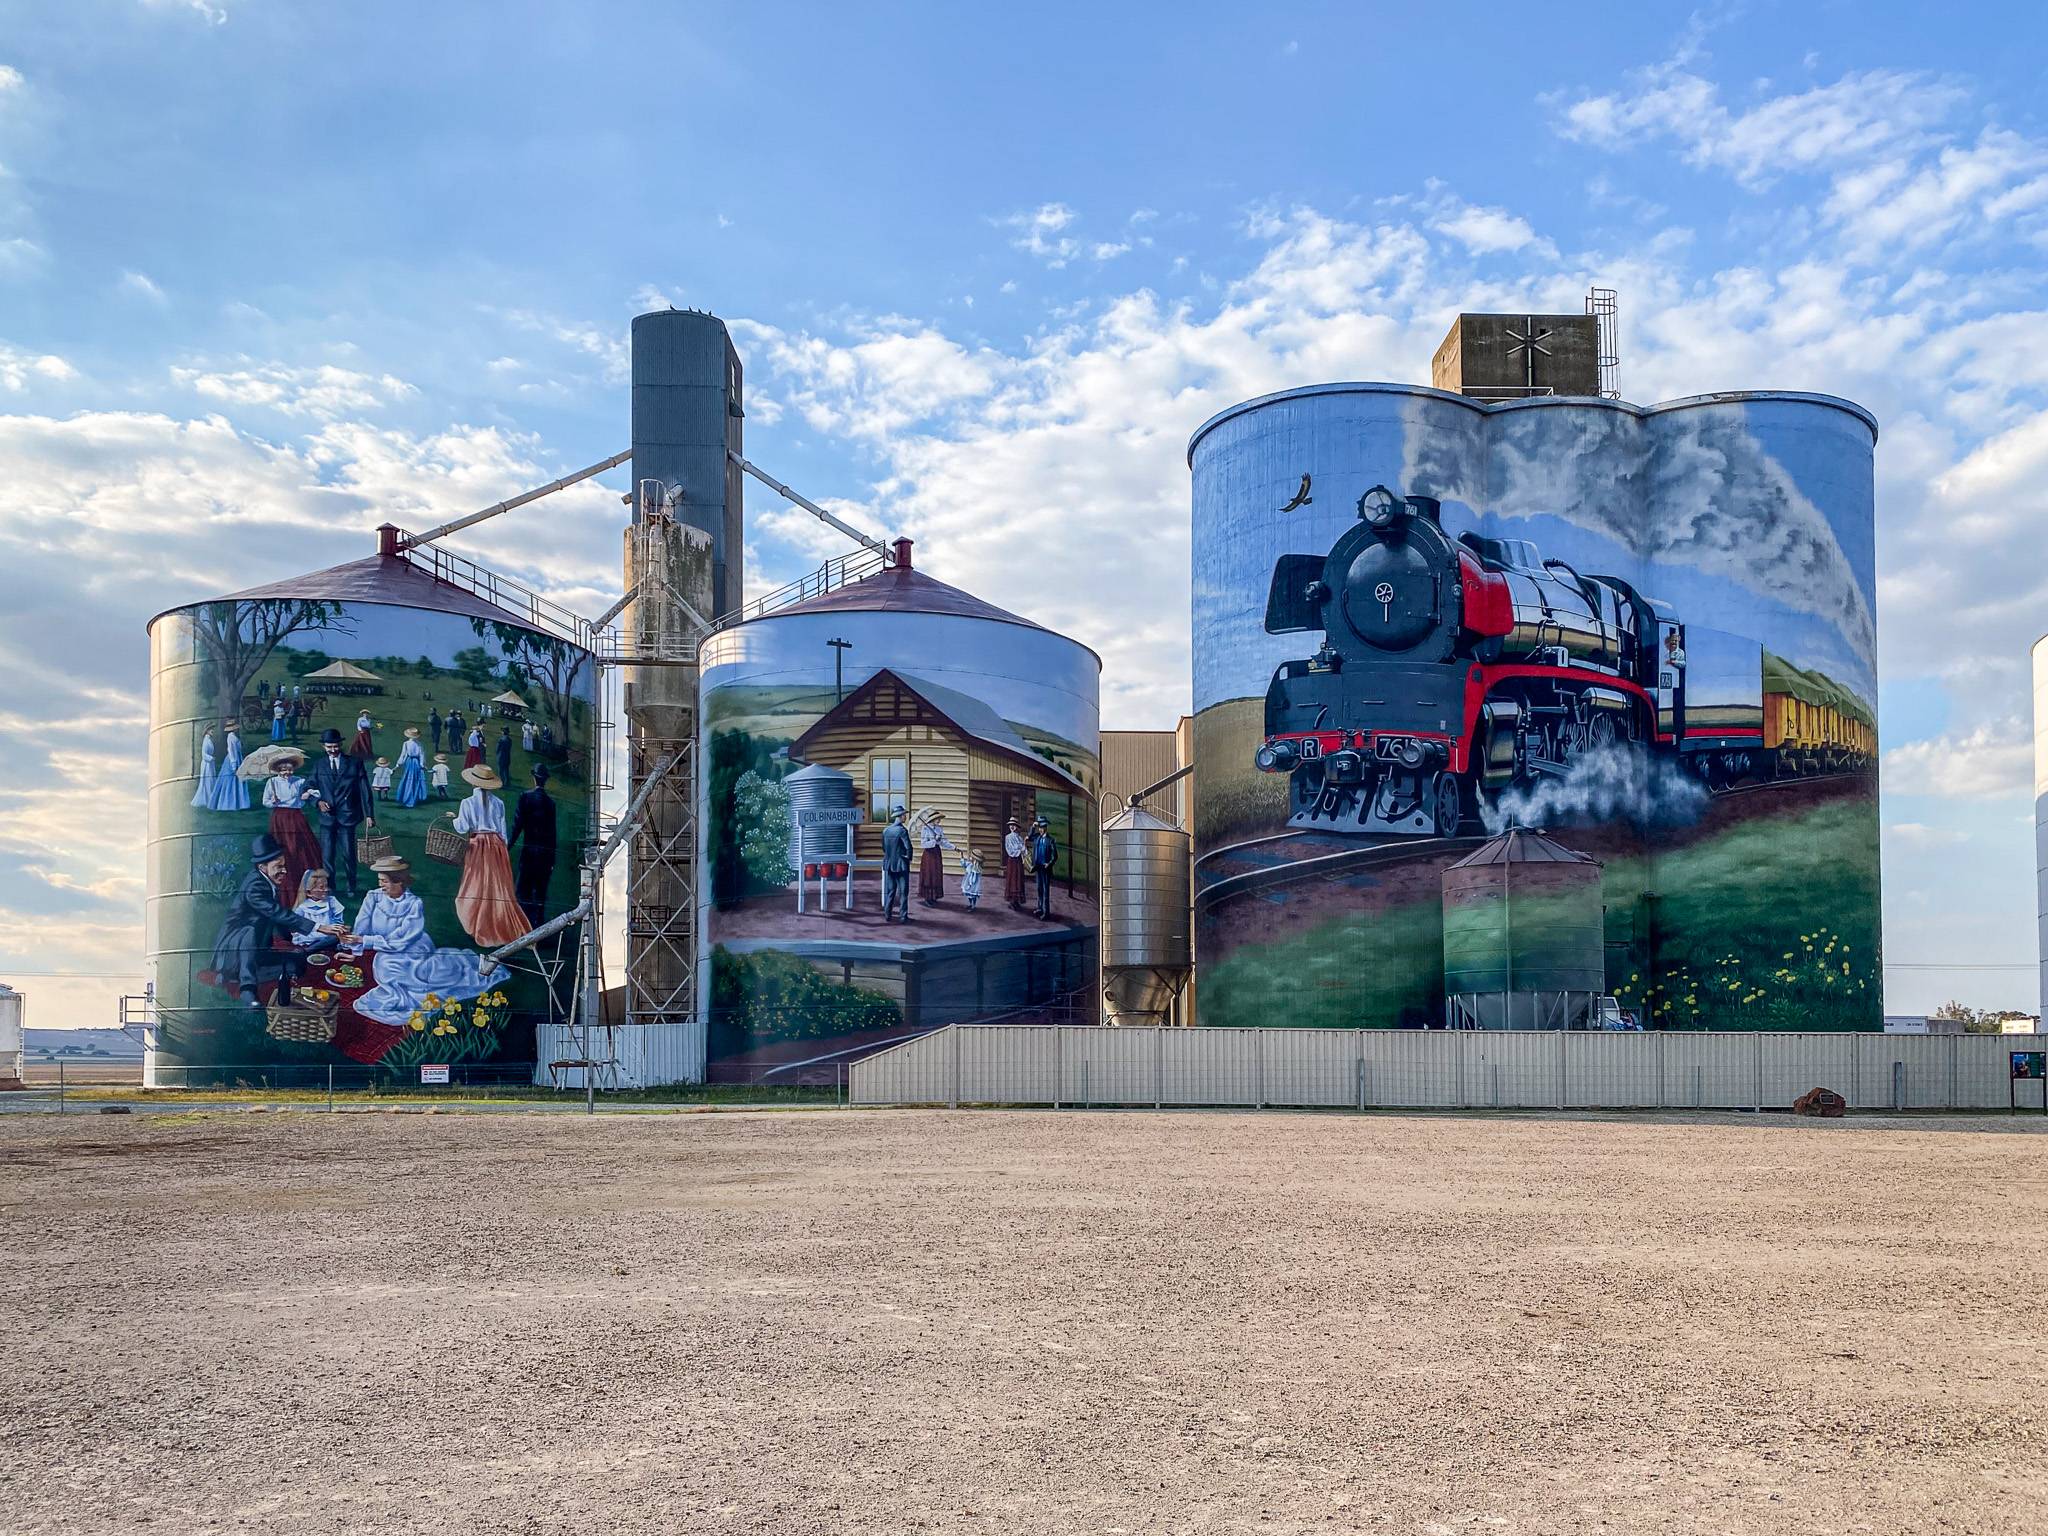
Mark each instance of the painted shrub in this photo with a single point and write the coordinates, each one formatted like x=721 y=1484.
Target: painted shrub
x=822 y=721
x=271 y=942
x=1650 y=631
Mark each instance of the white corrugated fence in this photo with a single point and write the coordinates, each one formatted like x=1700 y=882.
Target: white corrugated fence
x=1365 y=1068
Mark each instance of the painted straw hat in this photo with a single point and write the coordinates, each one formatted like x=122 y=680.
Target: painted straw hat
x=440 y=757
x=383 y=762
x=412 y=732
x=391 y=864
x=483 y=777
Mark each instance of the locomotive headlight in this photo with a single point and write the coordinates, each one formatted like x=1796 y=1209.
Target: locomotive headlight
x=1382 y=510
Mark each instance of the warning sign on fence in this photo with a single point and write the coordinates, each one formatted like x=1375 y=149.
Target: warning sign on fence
x=433 y=1072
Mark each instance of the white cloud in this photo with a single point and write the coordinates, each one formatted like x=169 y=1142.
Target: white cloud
x=140 y=285
x=611 y=349
x=1039 y=233
x=1483 y=230
x=324 y=392
x=209 y=11
x=20 y=256
x=1994 y=760
x=10 y=79
x=1892 y=145
x=19 y=369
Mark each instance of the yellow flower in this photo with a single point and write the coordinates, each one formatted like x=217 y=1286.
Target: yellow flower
x=444 y=1028
x=417 y=1022
x=481 y=1022
x=433 y=999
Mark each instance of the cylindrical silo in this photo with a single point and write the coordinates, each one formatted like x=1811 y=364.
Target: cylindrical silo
x=1419 y=618
x=260 y=837
x=2040 y=658
x=1145 y=917
x=1523 y=935
x=13 y=1012
x=903 y=694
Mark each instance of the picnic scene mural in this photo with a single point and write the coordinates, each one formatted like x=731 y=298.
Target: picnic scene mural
x=1648 y=633
x=900 y=829
x=352 y=804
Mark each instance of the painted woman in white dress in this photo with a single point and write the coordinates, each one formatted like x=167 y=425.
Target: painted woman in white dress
x=202 y=797
x=229 y=792
x=392 y=925
x=487 y=902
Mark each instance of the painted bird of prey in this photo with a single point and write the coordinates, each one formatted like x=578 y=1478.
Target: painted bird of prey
x=1301 y=497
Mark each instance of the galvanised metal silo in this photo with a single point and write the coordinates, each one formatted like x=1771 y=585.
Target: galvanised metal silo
x=411 y=678
x=930 y=701
x=1146 y=953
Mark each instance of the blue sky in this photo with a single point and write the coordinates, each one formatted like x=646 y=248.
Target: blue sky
x=271 y=273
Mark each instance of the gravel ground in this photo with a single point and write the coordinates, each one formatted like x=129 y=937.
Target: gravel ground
x=1024 y=1322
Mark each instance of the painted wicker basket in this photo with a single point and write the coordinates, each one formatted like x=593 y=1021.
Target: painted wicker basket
x=445 y=845
x=374 y=847
x=303 y=1019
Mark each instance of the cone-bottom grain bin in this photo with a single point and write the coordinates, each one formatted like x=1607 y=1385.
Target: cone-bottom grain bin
x=1523 y=935
x=1145 y=917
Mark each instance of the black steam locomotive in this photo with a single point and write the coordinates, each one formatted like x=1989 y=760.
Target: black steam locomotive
x=1452 y=669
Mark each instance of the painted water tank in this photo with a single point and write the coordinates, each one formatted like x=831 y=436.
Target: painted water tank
x=1420 y=618
x=981 y=728
x=360 y=780
x=1145 y=918
x=1524 y=935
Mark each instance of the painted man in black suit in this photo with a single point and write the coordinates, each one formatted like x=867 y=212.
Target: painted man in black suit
x=505 y=753
x=534 y=819
x=244 y=957
x=343 y=790
x=434 y=725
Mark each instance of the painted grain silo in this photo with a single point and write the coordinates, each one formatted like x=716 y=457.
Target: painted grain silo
x=1421 y=617
x=336 y=825
x=1524 y=938
x=894 y=694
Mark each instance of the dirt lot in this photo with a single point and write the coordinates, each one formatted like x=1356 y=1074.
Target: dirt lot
x=891 y=1321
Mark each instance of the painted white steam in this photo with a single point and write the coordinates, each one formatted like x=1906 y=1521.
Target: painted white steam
x=1617 y=783
x=1693 y=488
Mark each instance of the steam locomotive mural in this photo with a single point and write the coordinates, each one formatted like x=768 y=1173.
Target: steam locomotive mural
x=1454 y=669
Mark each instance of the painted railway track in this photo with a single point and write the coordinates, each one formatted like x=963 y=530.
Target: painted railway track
x=1391 y=850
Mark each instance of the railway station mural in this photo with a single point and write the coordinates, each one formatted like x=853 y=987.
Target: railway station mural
x=900 y=828
x=351 y=803
x=1649 y=633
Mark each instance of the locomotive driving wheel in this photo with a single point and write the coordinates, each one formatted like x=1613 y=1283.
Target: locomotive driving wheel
x=1446 y=805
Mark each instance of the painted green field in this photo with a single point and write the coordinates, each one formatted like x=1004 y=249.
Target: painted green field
x=1769 y=924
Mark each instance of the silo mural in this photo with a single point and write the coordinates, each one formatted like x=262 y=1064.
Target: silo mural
x=900 y=823
x=1419 y=620
x=360 y=781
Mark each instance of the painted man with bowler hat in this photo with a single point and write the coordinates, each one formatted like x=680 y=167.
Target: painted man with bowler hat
x=244 y=957
x=343 y=790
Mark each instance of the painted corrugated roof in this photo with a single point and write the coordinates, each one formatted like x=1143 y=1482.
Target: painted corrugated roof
x=1522 y=845
x=377 y=578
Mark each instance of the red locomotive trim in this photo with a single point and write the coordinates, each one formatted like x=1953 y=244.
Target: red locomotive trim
x=1489 y=607
x=1479 y=682
x=1362 y=741
x=1730 y=730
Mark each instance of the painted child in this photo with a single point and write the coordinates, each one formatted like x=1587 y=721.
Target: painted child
x=318 y=907
x=970 y=877
x=439 y=775
x=380 y=779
